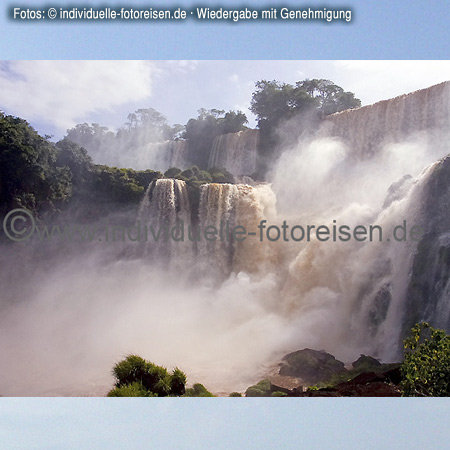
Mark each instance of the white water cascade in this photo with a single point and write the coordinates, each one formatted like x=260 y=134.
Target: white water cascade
x=421 y=114
x=165 y=205
x=236 y=152
x=228 y=206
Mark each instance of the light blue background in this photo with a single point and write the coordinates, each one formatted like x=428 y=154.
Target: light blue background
x=224 y=423
x=380 y=29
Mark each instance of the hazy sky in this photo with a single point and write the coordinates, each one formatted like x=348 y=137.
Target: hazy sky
x=56 y=95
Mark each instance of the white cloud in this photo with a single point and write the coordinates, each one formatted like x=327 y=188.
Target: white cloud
x=66 y=92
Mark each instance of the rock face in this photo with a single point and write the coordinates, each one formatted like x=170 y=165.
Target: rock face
x=311 y=366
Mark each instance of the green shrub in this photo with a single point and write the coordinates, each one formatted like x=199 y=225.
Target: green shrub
x=188 y=173
x=198 y=390
x=178 y=382
x=426 y=367
x=131 y=369
x=134 y=389
x=195 y=170
x=278 y=394
x=151 y=379
x=235 y=394
x=221 y=175
x=172 y=172
x=204 y=176
x=261 y=389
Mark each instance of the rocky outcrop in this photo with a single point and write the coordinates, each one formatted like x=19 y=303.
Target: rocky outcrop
x=311 y=366
x=367 y=377
x=368 y=384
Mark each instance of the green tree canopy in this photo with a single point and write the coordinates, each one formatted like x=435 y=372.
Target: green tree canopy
x=29 y=174
x=274 y=101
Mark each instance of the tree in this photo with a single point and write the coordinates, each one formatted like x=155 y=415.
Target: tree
x=426 y=367
x=91 y=137
x=232 y=122
x=29 y=174
x=273 y=101
x=331 y=97
x=198 y=390
x=74 y=157
x=143 y=126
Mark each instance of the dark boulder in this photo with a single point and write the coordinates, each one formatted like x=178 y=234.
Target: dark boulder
x=311 y=366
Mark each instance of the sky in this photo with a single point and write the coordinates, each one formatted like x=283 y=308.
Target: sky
x=368 y=57
x=381 y=29
x=56 y=95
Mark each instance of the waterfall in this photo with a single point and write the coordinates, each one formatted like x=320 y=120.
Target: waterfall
x=372 y=166
x=229 y=206
x=164 y=207
x=236 y=152
x=177 y=154
x=160 y=156
x=141 y=156
x=381 y=304
x=222 y=206
x=365 y=129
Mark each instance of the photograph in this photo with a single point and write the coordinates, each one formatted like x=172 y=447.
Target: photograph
x=278 y=239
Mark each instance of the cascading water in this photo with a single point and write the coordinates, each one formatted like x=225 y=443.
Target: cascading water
x=365 y=129
x=380 y=301
x=144 y=155
x=236 y=152
x=221 y=206
x=365 y=297
x=228 y=206
x=177 y=152
x=159 y=156
x=166 y=204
